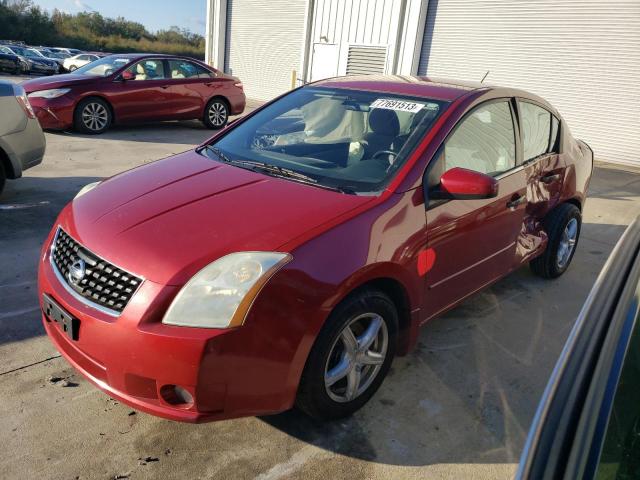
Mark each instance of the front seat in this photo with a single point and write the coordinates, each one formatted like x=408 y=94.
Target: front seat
x=384 y=127
x=141 y=73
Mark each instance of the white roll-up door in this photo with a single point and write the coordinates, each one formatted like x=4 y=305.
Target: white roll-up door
x=583 y=56
x=264 y=44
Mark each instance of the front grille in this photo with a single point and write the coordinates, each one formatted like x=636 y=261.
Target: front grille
x=102 y=282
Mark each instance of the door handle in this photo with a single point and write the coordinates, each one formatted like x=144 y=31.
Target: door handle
x=550 y=178
x=515 y=201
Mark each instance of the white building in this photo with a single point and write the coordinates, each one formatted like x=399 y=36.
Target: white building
x=581 y=55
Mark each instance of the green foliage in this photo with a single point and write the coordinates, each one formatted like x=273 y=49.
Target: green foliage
x=22 y=21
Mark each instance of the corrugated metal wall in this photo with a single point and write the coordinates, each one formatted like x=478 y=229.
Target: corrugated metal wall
x=356 y=22
x=583 y=56
x=264 y=44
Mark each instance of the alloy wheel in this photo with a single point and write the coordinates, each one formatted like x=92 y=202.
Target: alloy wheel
x=356 y=357
x=567 y=243
x=217 y=114
x=95 y=116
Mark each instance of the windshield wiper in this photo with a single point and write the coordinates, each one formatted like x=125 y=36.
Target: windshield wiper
x=274 y=169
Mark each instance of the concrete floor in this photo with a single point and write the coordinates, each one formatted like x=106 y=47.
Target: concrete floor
x=458 y=407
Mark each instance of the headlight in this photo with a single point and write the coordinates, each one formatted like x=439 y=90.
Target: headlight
x=54 y=93
x=86 y=188
x=220 y=295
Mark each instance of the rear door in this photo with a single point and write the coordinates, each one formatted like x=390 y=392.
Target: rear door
x=545 y=171
x=189 y=87
x=145 y=97
x=474 y=241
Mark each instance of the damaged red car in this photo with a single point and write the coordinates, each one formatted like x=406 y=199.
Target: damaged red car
x=289 y=259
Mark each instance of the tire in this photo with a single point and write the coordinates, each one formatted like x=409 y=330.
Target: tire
x=93 y=116
x=562 y=225
x=216 y=114
x=72 y=68
x=3 y=177
x=358 y=314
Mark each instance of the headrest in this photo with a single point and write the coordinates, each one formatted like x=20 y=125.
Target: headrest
x=384 y=122
x=140 y=69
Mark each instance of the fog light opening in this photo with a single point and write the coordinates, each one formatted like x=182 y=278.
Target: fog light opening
x=177 y=396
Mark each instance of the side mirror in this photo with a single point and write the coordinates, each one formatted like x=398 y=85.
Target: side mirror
x=462 y=184
x=128 y=75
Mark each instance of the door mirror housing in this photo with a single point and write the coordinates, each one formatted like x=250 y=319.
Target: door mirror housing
x=463 y=184
x=128 y=75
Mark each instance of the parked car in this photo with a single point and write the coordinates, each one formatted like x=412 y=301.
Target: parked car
x=134 y=88
x=77 y=61
x=287 y=260
x=52 y=56
x=588 y=423
x=22 y=142
x=69 y=51
x=32 y=63
x=10 y=63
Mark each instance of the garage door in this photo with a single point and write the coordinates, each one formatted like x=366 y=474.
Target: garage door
x=264 y=44
x=582 y=56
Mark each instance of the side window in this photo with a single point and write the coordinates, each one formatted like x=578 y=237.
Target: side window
x=148 y=70
x=484 y=141
x=183 y=69
x=539 y=131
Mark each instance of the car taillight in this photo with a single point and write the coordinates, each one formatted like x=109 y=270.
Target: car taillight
x=239 y=85
x=26 y=106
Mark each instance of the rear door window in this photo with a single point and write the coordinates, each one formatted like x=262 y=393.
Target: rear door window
x=180 y=69
x=539 y=131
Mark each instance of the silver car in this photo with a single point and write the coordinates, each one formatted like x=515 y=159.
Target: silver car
x=22 y=142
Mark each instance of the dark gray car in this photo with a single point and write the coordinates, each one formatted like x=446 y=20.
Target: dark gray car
x=22 y=142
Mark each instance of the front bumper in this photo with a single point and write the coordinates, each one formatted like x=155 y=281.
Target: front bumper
x=133 y=356
x=54 y=114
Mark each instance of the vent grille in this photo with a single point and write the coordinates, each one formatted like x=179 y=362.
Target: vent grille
x=366 y=60
x=100 y=282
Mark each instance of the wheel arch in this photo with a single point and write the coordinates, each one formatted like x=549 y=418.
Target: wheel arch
x=216 y=97
x=101 y=97
x=12 y=171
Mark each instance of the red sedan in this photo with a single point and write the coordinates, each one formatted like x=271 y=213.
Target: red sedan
x=291 y=257
x=135 y=88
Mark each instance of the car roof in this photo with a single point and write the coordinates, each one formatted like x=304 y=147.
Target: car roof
x=435 y=88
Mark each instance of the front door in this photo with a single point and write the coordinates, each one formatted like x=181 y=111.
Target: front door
x=474 y=241
x=143 y=98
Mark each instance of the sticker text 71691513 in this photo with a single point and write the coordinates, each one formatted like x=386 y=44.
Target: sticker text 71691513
x=399 y=105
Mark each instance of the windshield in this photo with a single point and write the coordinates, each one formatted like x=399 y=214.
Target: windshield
x=104 y=66
x=345 y=139
x=20 y=51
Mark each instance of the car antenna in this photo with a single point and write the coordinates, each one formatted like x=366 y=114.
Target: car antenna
x=485 y=76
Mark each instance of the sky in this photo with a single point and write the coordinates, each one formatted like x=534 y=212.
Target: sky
x=153 y=14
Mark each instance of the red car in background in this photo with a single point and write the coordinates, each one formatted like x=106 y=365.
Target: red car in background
x=287 y=260
x=135 y=88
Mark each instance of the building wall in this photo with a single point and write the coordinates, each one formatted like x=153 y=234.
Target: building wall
x=583 y=56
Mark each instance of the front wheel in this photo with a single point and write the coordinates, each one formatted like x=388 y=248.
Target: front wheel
x=562 y=225
x=216 y=114
x=350 y=357
x=92 y=116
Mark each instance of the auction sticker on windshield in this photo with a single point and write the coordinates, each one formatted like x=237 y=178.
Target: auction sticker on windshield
x=399 y=105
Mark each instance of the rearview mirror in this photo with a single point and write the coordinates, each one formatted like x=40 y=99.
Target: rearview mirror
x=462 y=184
x=128 y=75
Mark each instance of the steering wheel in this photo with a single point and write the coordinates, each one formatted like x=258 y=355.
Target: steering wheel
x=387 y=152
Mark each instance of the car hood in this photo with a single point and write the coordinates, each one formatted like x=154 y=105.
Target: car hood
x=167 y=220
x=57 y=81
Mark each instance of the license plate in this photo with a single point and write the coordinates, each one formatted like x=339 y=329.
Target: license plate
x=55 y=313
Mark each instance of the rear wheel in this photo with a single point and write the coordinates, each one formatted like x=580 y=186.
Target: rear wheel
x=563 y=229
x=216 y=114
x=72 y=68
x=92 y=115
x=350 y=357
